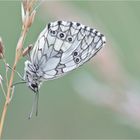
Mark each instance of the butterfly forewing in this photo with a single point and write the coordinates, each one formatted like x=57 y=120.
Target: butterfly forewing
x=63 y=46
x=60 y=48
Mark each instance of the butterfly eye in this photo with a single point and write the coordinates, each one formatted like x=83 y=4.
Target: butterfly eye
x=61 y=35
x=33 y=85
x=69 y=39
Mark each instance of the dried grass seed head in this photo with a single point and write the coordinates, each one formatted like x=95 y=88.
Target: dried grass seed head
x=1 y=48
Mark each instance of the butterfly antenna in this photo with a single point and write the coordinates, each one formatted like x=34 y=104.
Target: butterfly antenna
x=37 y=98
x=17 y=83
x=34 y=105
x=30 y=115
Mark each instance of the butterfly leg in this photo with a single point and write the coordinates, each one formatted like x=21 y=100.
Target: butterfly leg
x=1 y=84
x=12 y=93
x=15 y=72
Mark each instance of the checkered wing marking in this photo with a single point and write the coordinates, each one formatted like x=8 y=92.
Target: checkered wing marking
x=63 y=46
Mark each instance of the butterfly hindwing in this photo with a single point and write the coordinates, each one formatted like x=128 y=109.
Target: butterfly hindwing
x=63 y=46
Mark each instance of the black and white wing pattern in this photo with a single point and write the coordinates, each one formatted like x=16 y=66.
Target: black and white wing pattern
x=64 y=46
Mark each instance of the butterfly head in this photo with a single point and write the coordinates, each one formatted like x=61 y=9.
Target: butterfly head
x=33 y=87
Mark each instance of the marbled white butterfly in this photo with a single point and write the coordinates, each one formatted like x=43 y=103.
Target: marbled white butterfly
x=60 y=48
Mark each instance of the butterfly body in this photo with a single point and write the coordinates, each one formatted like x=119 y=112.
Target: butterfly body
x=60 y=48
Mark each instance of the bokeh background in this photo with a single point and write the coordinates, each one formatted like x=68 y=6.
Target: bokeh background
x=99 y=100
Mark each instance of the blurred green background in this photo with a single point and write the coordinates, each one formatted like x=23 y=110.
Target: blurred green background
x=63 y=111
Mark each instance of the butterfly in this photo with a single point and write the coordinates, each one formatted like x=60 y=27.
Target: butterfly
x=60 y=48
